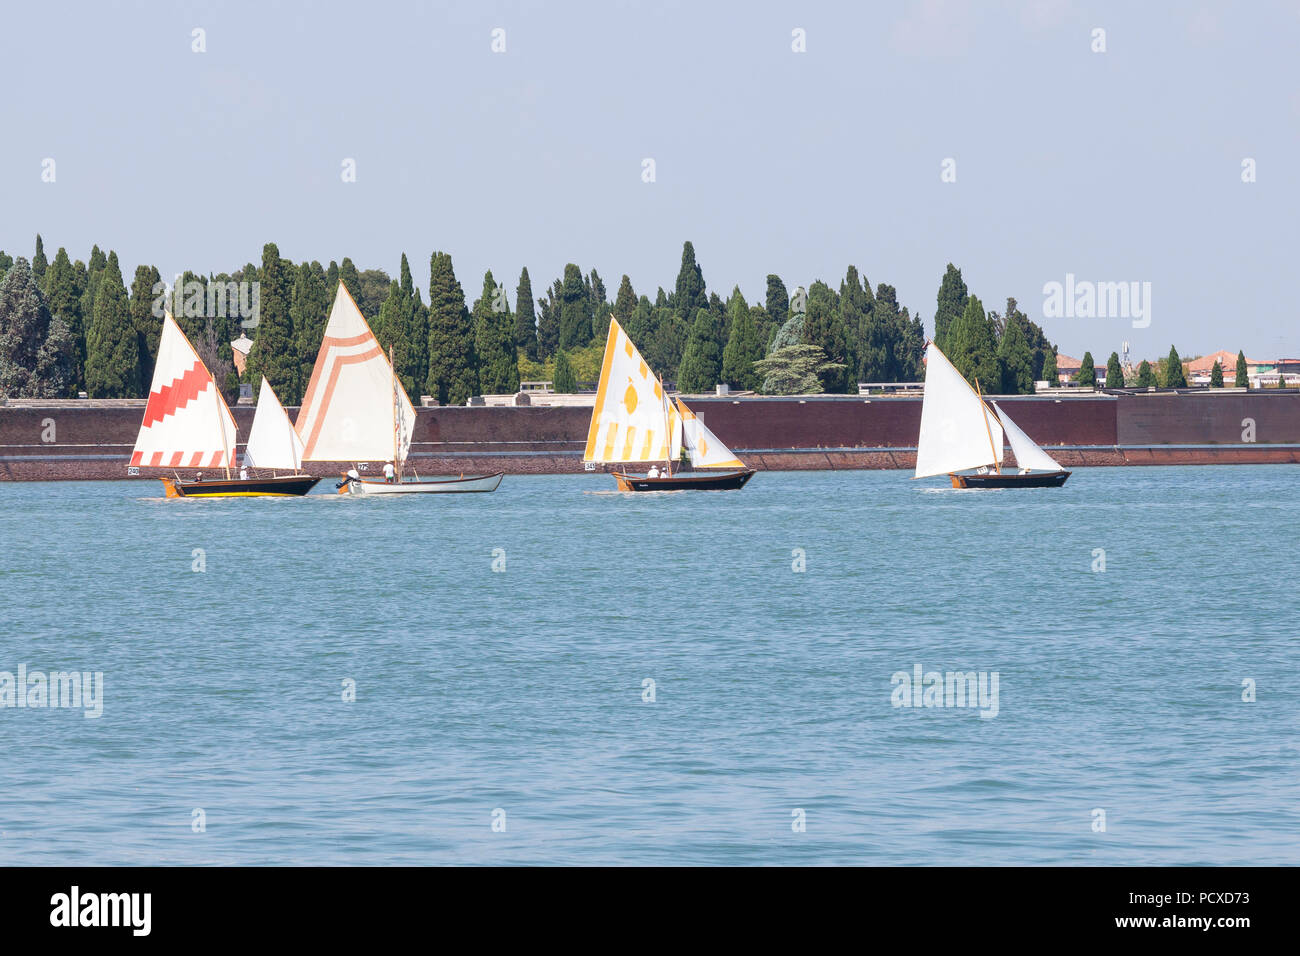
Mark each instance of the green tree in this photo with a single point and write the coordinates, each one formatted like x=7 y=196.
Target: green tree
x=972 y=346
x=39 y=262
x=351 y=278
x=667 y=342
x=599 y=306
x=63 y=290
x=494 y=340
x=94 y=268
x=950 y=304
x=690 y=295
x=453 y=367
x=525 y=316
x=393 y=330
x=1146 y=375
x=1050 y=373
x=548 y=321
x=702 y=360
x=308 y=315
x=275 y=347
x=743 y=347
x=1243 y=374
x=1016 y=360
x=112 y=347
x=1114 y=375
x=575 y=310
x=625 y=306
x=1087 y=376
x=1216 y=375
x=563 y=381
x=148 y=327
x=824 y=328
x=793 y=370
x=777 y=301
x=1174 y=377
x=37 y=356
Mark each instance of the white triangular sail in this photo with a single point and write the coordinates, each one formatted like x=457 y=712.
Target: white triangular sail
x=272 y=441
x=705 y=448
x=1029 y=456
x=354 y=409
x=957 y=430
x=631 y=418
x=187 y=423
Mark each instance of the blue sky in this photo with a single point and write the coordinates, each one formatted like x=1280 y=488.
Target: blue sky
x=1115 y=166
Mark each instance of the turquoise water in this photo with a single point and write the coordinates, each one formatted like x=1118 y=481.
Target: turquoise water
x=522 y=690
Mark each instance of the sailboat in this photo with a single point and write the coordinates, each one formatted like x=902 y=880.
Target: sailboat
x=961 y=438
x=356 y=410
x=635 y=421
x=187 y=424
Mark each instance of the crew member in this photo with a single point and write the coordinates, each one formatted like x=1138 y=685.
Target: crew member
x=390 y=476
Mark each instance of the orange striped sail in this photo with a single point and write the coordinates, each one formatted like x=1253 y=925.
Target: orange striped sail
x=705 y=448
x=633 y=419
x=187 y=423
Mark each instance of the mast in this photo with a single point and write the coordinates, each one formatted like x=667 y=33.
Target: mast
x=668 y=433
x=988 y=431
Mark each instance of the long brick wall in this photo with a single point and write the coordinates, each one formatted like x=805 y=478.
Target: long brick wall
x=93 y=440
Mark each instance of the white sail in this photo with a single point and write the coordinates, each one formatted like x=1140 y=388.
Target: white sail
x=957 y=430
x=1029 y=456
x=705 y=449
x=187 y=423
x=349 y=412
x=272 y=441
x=631 y=418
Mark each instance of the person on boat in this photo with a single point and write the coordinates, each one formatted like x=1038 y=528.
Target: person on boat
x=349 y=476
x=390 y=475
x=243 y=473
x=653 y=472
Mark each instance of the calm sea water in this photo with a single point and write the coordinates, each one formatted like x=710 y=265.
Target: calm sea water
x=522 y=690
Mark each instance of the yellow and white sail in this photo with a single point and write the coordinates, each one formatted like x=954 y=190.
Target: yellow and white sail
x=958 y=432
x=632 y=419
x=354 y=409
x=705 y=448
x=187 y=423
x=272 y=441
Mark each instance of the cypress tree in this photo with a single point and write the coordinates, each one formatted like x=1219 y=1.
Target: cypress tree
x=525 y=316
x=394 y=321
x=332 y=277
x=63 y=289
x=562 y=381
x=112 y=347
x=702 y=360
x=667 y=342
x=453 y=375
x=1087 y=371
x=1216 y=375
x=824 y=328
x=548 y=321
x=1243 y=374
x=1146 y=375
x=972 y=347
x=625 y=305
x=308 y=315
x=1050 y=373
x=148 y=327
x=37 y=357
x=764 y=327
x=950 y=304
x=94 y=267
x=494 y=341
x=689 y=296
x=6 y=263
x=640 y=325
x=39 y=262
x=1174 y=377
x=351 y=278
x=599 y=307
x=1114 y=375
x=743 y=347
x=1016 y=360
x=275 y=348
x=777 y=301
x=575 y=310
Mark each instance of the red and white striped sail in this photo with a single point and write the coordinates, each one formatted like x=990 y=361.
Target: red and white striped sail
x=354 y=409
x=187 y=423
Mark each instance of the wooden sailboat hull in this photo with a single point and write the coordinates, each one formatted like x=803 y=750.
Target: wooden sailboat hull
x=427 y=486
x=1038 y=479
x=288 y=486
x=688 y=481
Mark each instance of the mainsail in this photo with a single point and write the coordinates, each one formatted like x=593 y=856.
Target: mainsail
x=354 y=409
x=1028 y=455
x=187 y=423
x=272 y=441
x=632 y=419
x=704 y=447
x=957 y=430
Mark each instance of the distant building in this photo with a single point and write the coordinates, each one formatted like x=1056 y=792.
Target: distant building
x=239 y=349
x=1067 y=367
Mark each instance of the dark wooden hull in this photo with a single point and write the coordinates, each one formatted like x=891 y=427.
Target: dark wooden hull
x=1040 y=479
x=687 y=481
x=289 y=486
